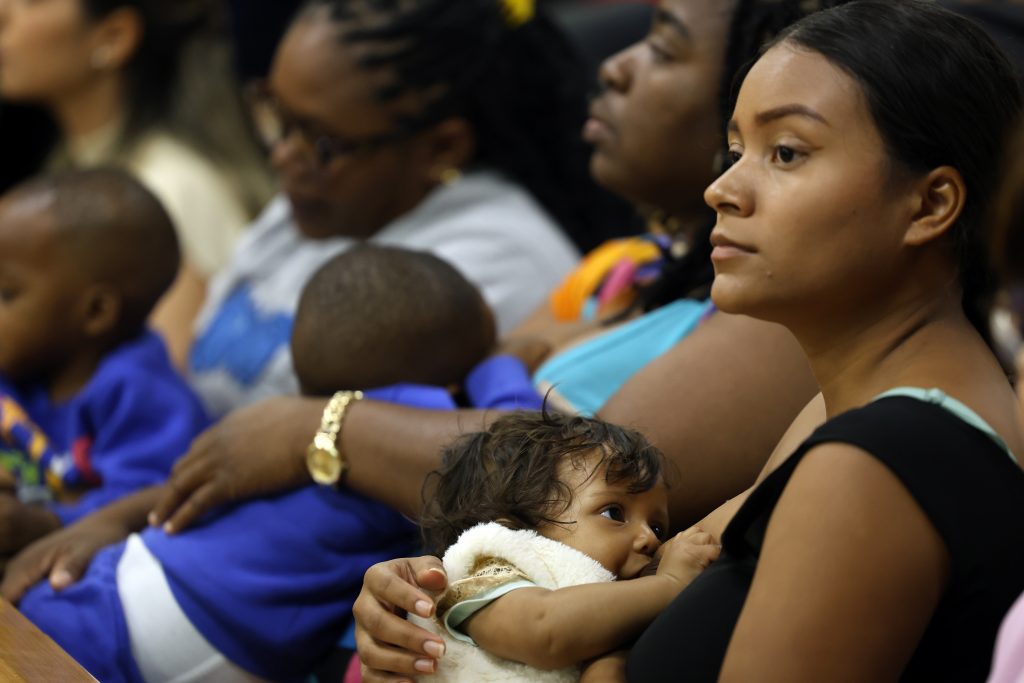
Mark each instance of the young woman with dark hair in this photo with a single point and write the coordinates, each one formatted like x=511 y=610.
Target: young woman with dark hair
x=864 y=149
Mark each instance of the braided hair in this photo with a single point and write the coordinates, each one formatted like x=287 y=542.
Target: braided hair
x=523 y=89
x=753 y=23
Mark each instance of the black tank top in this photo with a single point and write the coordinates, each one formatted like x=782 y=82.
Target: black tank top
x=965 y=483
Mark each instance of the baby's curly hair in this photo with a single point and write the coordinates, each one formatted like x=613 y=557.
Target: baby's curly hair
x=511 y=472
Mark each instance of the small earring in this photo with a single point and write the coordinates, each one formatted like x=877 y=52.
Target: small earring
x=449 y=175
x=100 y=59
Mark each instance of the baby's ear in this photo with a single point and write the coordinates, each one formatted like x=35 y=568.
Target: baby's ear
x=101 y=309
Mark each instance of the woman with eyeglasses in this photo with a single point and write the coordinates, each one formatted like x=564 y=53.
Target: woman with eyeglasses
x=441 y=126
x=145 y=84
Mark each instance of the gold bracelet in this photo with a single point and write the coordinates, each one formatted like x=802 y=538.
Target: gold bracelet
x=324 y=459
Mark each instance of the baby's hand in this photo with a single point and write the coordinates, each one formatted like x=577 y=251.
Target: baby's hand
x=686 y=555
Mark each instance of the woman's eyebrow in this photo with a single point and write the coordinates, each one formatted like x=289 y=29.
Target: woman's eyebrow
x=766 y=117
x=788 y=110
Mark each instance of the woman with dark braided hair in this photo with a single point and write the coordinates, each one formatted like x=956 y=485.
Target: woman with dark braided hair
x=147 y=85
x=451 y=127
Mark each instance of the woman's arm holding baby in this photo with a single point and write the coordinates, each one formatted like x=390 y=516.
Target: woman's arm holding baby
x=552 y=629
x=379 y=440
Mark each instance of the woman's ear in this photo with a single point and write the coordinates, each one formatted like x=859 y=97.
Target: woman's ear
x=101 y=307
x=117 y=37
x=941 y=196
x=451 y=146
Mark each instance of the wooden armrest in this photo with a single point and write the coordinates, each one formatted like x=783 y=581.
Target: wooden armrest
x=28 y=655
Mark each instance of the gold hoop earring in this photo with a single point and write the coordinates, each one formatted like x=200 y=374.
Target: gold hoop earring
x=449 y=176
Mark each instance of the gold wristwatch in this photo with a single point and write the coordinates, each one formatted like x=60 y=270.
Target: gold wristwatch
x=323 y=457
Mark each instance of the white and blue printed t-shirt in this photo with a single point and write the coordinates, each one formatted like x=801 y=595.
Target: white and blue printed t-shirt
x=492 y=230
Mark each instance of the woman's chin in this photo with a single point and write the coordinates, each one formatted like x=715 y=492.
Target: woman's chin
x=312 y=220
x=729 y=297
x=609 y=174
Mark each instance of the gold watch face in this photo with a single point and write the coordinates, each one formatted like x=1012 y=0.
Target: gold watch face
x=323 y=462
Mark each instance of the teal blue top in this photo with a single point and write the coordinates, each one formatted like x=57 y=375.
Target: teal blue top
x=943 y=400
x=583 y=377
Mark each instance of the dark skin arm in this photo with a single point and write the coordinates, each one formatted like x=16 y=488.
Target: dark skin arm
x=64 y=555
x=386 y=433
x=688 y=402
x=378 y=439
x=22 y=523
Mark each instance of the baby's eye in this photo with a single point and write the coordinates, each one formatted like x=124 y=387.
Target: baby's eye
x=614 y=512
x=659 y=531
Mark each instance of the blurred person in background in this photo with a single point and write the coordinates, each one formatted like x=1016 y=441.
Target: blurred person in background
x=145 y=84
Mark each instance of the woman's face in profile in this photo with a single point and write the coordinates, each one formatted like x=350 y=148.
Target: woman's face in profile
x=656 y=127
x=47 y=49
x=323 y=94
x=811 y=216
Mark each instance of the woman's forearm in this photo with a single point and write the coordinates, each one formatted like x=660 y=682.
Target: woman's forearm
x=390 y=449
x=129 y=512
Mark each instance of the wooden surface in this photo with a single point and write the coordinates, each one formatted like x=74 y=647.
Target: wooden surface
x=27 y=655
